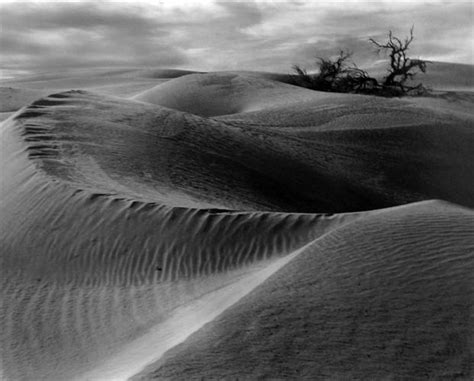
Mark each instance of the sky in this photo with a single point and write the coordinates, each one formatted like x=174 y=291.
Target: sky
x=42 y=36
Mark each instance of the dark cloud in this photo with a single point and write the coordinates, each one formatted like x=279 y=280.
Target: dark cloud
x=222 y=35
x=73 y=15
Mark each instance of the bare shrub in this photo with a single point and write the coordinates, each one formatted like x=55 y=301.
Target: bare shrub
x=335 y=75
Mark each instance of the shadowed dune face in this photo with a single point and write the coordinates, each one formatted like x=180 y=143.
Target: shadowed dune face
x=126 y=226
x=156 y=154
x=362 y=300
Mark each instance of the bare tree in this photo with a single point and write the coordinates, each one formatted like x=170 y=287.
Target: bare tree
x=402 y=67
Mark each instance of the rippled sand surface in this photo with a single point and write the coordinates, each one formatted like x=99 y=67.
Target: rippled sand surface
x=229 y=225
x=382 y=297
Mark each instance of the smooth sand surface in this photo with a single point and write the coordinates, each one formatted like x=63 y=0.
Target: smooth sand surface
x=18 y=92
x=12 y=99
x=230 y=225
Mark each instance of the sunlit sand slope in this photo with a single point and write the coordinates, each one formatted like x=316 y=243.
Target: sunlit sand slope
x=388 y=296
x=223 y=93
x=19 y=92
x=12 y=99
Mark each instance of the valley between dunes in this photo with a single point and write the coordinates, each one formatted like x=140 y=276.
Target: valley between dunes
x=175 y=225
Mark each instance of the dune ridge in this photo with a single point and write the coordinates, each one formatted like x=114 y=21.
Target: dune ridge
x=148 y=227
x=130 y=265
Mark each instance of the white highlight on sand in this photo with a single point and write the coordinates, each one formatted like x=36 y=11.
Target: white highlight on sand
x=184 y=321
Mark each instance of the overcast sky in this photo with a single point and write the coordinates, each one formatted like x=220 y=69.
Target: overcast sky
x=222 y=35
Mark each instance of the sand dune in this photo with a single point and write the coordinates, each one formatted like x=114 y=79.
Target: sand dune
x=362 y=300
x=19 y=92
x=192 y=229
x=151 y=153
x=13 y=99
x=108 y=268
x=213 y=94
x=183 y=322
x=438 y=76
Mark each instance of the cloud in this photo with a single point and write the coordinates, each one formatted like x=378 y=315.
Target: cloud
x=83 y=34
x=223 y=35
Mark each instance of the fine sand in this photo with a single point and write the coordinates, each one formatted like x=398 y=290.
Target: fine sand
x=164 y=224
